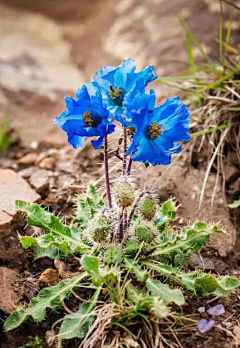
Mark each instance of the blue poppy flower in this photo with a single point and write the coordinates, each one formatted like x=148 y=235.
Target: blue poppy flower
x=85 y=116
x=115 y=83
x=158 y=130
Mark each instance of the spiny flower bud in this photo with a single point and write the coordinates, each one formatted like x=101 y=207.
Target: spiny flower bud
x=101 y=230
x=143 y=234
x=148 y=208
x=124 y=193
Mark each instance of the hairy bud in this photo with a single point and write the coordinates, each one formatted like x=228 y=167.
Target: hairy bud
x=100 y=230
x=143 y=234
x=124 y=194
x=148 y=208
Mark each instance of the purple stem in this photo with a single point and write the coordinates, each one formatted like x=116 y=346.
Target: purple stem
x=124 y=150
x=121 y=227
x=129 y=165
x=107 y=172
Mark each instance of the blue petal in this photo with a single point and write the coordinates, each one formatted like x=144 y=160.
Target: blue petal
x=75 y=140
x=147 y=152
x=97 y=143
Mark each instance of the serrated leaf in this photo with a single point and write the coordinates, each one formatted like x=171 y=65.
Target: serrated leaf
x=165 y=293
x=77 y=325
x=99 y=275
x=47 y=298
x=60 y=236
x=190 y=240
x=136 y=268
x=87 y=205
x=169 y=210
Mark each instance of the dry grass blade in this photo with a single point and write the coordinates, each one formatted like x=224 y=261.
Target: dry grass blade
x=210 y=165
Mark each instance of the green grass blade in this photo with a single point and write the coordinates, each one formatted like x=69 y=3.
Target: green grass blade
x=219 y=81
x=211 y=130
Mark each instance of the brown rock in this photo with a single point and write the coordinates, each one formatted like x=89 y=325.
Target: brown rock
x=48 y=163
x=49 y=277
x=28 y=159
x=8 y=296
x=12 y=187
x=40 y=181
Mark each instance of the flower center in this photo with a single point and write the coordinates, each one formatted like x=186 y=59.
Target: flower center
x=153 y=131
x=116 y=94
x=91 y=120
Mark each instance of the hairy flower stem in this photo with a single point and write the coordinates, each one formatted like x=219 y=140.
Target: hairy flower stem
x=129 y=165
x=120 y=236
x=124 y=151
x=107 y=172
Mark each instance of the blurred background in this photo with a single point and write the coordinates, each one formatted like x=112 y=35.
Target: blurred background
x=49 y=48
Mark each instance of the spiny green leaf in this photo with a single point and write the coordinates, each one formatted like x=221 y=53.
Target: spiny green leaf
x=60 y=236
x=77 y=325
x=165 y=293
x=190 y=240
x=99 y=275
x=134 y=266
x=200 y=283
x=91 y=264
x=47 y=298
x=87 y=205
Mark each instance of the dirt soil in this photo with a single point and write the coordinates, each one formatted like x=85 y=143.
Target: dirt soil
x=99 y=32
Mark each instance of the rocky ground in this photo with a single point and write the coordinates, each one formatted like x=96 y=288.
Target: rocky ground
x=54 y=47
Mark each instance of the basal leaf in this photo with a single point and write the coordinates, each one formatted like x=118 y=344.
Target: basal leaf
x=77 y=325
x=228 y=283
x=146 y=302
x=190 y=240
x=136 y=268
x=91 y=265
x=99 y=275
x=59 y=235
x=165 y=293
x=47 y=298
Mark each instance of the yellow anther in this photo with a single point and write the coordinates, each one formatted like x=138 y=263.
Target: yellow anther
x=155 y=130
x=115 y=93
x=88 y=119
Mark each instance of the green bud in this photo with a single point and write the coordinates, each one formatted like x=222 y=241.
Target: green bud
x=114 y=255
x=124 y=194
x=101 y=230
x=148 y=208
x=143 y=234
